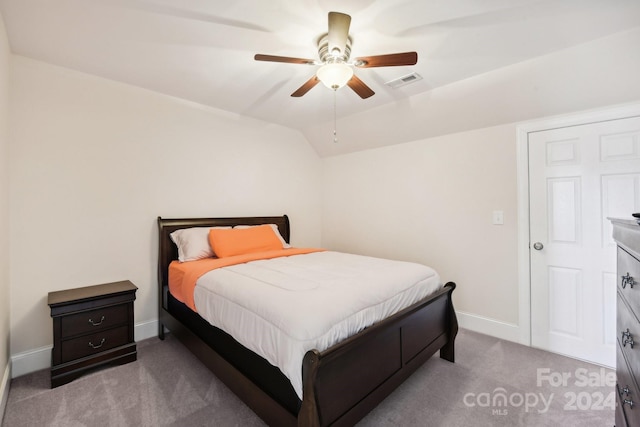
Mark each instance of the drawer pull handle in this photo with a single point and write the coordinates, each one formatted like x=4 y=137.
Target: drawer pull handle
x=628 y=280
x=628 y=402
x=93 y=346
x=627 y=338
x=625 y=391
x=97 y=324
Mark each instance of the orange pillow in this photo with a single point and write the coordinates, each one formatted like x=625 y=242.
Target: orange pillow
x=238 y=241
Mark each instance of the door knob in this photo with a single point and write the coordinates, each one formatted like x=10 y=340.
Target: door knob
x=538 y=246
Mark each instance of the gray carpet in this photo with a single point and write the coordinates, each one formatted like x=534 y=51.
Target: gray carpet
x=167 y=386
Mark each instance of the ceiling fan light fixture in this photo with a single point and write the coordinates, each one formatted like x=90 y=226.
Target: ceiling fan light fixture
x=334 y=53
x=335 y=75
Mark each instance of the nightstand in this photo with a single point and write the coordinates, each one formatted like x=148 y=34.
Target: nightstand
x=92 y=327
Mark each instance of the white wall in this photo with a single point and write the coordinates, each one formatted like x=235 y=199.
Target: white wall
x=94 y=162
x=4 y=217
x=431 y=201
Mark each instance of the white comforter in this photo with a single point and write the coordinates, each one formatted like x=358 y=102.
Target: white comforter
x=283 y=307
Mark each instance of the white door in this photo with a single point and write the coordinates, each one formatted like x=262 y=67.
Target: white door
x=579 y=176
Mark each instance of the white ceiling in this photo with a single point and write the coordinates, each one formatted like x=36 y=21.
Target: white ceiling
x=202 y=50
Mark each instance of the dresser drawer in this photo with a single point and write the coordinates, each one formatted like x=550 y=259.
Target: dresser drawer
x=628 y=328
x=628 y=397
x=629 y=278
x=94 y=320
x=88 y=345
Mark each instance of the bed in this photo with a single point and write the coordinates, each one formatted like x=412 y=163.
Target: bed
x=340 y=384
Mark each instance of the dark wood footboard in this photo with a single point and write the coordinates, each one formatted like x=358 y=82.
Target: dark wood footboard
x=341 y=384
x=345 y=382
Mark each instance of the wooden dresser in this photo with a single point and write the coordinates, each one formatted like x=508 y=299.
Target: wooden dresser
x=92 y=326
x=626 y=233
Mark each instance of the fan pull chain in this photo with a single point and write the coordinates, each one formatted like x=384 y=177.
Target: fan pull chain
x=335 y=118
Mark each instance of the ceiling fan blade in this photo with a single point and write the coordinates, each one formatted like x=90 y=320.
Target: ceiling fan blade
x=309 y=84
x=286 y=59
x=338 y=32
x=360 y=87
x=391 y=60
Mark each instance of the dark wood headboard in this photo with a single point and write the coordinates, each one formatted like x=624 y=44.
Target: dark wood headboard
x=167 y=250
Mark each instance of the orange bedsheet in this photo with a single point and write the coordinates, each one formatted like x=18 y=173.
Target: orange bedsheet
x=183 y=275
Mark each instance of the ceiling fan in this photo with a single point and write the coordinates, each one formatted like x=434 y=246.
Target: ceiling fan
x=334 y=51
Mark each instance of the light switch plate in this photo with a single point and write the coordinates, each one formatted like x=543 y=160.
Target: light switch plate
x=498 y=217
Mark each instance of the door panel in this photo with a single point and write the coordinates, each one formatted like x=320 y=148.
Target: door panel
x=579 y=176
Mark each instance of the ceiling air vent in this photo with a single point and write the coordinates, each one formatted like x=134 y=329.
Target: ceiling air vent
x=404 y=80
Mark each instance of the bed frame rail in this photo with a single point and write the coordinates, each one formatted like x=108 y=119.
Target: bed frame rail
x=257 y=399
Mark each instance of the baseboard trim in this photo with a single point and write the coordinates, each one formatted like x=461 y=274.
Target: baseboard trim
x=40 y=358
x=145 y=330
x=488 y=326
x=30 y=361
x=4 y=390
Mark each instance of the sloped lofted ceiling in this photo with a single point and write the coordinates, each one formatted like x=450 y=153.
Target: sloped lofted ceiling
x=202 y=51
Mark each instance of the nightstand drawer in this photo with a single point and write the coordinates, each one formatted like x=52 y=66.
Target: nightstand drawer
x=88 y=345
x=94 y=320
x=629 y=279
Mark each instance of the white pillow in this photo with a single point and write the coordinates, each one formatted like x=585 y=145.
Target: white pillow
x=193 y=243
x=275 y=230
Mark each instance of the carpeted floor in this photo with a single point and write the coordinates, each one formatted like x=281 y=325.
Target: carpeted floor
x=492 y=383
